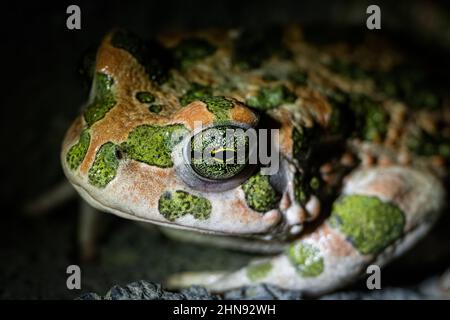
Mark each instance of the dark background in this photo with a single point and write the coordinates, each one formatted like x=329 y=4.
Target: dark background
x=42 y=93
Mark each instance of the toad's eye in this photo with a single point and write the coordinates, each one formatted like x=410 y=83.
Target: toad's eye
x=219 y=153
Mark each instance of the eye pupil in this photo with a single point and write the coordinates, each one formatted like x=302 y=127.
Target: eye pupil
x=214 y=152
x=224 y=155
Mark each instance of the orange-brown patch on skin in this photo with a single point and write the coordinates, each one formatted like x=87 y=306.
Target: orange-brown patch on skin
x=115 y=127
x=334 y=242
x=198 y=75
x=286 y=142
x=129 y=77
x=285 y=119
x=242 y=114
x=122 y=66
x=196 y=111
x=391 y=187
x=127 y=113
x=242 y=213
x=147 y=183
x=316 y=104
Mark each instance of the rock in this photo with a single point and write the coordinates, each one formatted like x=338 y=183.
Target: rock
x=145 y=290
x=89 y=296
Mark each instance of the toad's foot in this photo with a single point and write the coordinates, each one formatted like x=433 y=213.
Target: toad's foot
x=381 y=213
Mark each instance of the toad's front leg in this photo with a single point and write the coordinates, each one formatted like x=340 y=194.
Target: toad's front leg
x=381 y=213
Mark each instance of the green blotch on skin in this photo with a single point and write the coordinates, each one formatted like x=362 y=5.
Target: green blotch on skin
x=305 y=183
x=314 y=183
x=426 y=144
x=145 y=97
x=304 y=187
x=153 y=144
x=77 y=152
x=253 y=47
x=342 y=118
x=196 y=92
x=219 y=106
x=371 y=119
x=155 y=108
x=215 y=156
x=189 y=51
x=103 y=100
x=174 y=205
x=303 y=140
x=299 y=142
x=258 y=271
x=271 y=97
x=105 y=165
x=259 y=194
x=301 y=193
x=306 y=259
x=411 y=85
x=357 y=114
x=148 y=98
x=367 y=222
